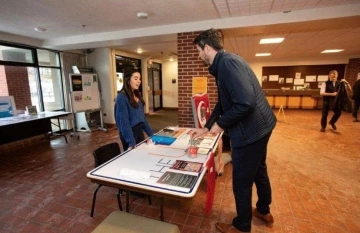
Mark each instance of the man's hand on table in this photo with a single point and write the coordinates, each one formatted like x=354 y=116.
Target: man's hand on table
x=195 y=133
x=216 y=129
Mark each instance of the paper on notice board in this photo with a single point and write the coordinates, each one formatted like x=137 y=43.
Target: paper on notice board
x=322 y=78
x=273 y=77
x=299 y=81
x=310 y=78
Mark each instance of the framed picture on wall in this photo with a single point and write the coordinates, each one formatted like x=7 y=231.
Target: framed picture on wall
x=299 y=82
x=281 y=80
x=322 y=78
x=289 y=80
x=264 y=79
x=274 y=78
x=310 y=78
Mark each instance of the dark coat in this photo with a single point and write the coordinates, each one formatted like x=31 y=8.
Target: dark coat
x=242 y=109
x=356 y=91
x=342 y=100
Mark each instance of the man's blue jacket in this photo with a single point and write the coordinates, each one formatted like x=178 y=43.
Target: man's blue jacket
x=242 y=109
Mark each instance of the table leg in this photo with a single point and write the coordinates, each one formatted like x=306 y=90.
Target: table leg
x=127 y=201
x=162 y=204
x=61 y=133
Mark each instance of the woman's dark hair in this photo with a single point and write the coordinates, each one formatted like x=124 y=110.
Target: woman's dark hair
x=128 y=73
x=211 y=37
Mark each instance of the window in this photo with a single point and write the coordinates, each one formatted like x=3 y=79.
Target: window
x=48 y=58
x=13 y=54
x=52 y=92
x=32 y=76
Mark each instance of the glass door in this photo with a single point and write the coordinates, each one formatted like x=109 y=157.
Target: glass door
x=155 y=87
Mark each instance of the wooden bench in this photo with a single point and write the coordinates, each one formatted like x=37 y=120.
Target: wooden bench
x=123 y=222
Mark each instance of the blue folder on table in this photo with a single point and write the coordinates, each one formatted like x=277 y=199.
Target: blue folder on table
x=162 y=140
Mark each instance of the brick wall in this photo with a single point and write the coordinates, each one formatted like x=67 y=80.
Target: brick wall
x=351 y=70
x=18 y=85
x=189 y=66
x=3 y=84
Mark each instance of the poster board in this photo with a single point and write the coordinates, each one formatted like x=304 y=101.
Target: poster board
x=85 y=93
x=7 y=106
x=199 y=85
x=201 y=109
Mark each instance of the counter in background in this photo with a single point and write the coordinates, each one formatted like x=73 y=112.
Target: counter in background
x=307 y=99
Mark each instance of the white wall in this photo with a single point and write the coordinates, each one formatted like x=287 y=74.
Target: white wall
x=20 y=39
x=144 y=72
x=100 y=59
x=169 y=89
x=257 y=66
x=103 y=60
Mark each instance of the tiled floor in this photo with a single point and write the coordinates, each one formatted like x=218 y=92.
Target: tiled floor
x=315 y=180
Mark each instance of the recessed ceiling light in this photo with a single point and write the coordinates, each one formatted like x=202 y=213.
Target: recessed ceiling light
x=171 y=59
x=262 y=54
x=272 y=40
x=142 y=15
x=139 y=50
x=38 y=29
x=332 y=50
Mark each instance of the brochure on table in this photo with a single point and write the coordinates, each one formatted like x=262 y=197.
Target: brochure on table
x=147 y=164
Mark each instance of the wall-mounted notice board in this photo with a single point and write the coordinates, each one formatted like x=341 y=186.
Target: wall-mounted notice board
x=85 y=93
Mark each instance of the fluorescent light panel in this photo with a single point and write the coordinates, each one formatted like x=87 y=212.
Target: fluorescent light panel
x=262 y=54
x=272 y=40
x=332 y=50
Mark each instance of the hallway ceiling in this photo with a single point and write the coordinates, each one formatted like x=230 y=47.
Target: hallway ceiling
x=113 y=23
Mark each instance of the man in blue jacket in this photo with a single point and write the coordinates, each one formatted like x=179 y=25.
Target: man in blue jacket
x=243 y=111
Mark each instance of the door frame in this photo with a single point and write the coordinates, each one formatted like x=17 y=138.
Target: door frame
x=156 y=67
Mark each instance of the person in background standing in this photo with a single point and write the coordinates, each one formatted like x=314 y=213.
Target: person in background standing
x=356 y=98
x=129 y=111
x=328 y=92
x=244 y=112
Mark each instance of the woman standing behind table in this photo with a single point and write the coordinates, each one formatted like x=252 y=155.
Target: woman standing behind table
x=129 y=111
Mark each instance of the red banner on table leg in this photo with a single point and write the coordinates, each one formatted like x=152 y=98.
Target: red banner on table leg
x=201 y=109
x=210 y=189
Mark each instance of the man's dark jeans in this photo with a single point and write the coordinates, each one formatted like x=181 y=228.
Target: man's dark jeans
x=249 y=166
x=356 y=108
x=325 y=111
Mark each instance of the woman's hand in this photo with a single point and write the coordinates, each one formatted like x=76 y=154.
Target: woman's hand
x=149 y=141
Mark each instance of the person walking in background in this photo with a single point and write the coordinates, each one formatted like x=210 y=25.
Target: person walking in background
x=356 y=98
x=328 y=92
x=129 y=111
x=243 y=111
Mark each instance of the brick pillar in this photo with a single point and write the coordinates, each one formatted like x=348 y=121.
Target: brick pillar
x=189 y=66
x=352 y=69
x=18 y=85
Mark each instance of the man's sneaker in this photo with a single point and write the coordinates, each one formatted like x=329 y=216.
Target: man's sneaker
x=267 y=218
x=322 y=130
x=356 y=120
x=333 y=125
